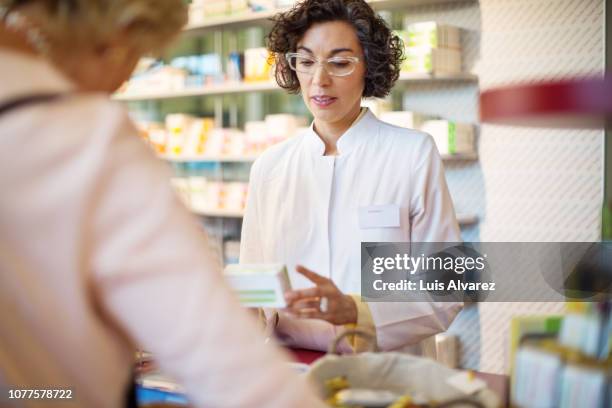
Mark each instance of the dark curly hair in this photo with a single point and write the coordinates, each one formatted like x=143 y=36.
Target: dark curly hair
x=383 y=50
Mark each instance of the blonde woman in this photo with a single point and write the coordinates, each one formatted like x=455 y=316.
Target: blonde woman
x=97 y=256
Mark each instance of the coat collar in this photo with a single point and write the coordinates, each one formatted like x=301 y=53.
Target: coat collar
x=24 y=75
x=361 y=130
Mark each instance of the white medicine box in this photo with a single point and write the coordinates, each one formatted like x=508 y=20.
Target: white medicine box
x=259 y=285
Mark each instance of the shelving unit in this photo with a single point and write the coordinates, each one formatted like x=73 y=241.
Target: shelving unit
x=211 y=90
x=462 y=218
x=218 y=213
x=214 y=159
x=249 y=159
x=467 y=218
x=228 y=29
x=247 y=18
x=245 y=87
x=262 y=18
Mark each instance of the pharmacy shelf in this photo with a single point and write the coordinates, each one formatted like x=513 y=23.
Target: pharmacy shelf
x=218 y=213
x=215 y=159
x=458 y=77
x=249 y=159
x=267 y=86
x=263 y=17
x=233 y=21
x=401 y=4
x=460 y=157
x=221 y=89
x=467 y=219
x=462 y=219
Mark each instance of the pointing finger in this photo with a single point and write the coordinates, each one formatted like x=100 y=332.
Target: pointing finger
x=311 y=276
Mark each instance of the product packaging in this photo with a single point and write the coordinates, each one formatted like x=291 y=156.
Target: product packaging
x=404 y=119
x=257 y=66
x=259 y=285
x=450 y=137
x=433 y=35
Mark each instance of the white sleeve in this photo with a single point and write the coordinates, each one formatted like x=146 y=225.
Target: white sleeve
x=432 y=219
x=251 y=250
x=432 y=215
x=155 y=280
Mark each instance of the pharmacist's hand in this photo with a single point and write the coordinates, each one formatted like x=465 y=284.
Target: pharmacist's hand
x=323 y=301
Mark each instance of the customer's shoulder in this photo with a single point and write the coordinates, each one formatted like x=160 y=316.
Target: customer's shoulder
x=86 y=105
x=81 y=110
x=93 y=113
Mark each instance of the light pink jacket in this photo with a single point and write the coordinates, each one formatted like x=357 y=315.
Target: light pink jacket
x=98 y=256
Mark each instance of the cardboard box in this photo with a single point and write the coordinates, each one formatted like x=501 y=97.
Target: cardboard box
x=259 y=285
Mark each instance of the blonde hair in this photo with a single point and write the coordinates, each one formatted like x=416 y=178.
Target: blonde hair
x=148 y=24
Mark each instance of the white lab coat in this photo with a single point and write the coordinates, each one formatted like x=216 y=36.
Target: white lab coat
x=303 y=209
x=98 y=256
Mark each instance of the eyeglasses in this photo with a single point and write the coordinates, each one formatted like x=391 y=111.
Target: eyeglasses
x=335 y=66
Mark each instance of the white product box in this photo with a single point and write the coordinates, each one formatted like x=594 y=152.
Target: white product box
x=403 y=119
x=450 y=137
x=432 y=60
x=377 y=105
x=238 y=6
x=433 y=35
x=177 y=125
x=215 y=143
x=281 y=126
x=231 y=251
x=234 y=195
x=215 y=8
x=212 y=199
x=181 y=186
x=259 y=285
x=261 y=5
x=196 y=15
x=284 y=3
x=197 y=192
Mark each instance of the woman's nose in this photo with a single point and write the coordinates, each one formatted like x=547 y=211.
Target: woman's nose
x=320 y=76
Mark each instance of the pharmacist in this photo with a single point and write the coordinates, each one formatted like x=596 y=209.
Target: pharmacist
x=312 y=198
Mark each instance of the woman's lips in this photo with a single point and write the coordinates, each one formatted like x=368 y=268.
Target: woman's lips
x=323 y=101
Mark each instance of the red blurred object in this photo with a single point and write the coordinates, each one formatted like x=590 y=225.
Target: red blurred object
x=306 y=356
x=574 y=103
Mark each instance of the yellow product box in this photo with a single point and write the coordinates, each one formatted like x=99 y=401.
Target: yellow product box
x=257 y=65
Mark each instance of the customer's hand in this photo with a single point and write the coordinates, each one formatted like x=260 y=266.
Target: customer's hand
x=323 y=301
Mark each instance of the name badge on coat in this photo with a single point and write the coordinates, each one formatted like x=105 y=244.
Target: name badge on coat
x=379 y=216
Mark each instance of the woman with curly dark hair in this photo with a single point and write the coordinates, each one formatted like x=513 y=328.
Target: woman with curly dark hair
x=349 y=179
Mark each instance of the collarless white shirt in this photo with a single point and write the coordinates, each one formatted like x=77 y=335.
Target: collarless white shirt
x=303 y=208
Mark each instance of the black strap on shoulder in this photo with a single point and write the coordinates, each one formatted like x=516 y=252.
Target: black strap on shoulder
x=26 y=100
